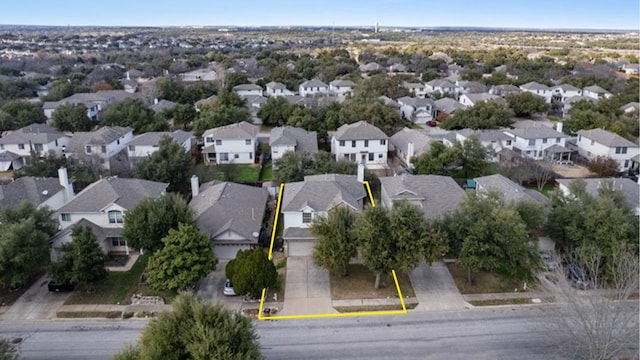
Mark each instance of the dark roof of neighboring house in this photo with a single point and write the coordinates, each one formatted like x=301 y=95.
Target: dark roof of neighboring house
x=323 y=192
x=536 y=133
x=416 y=102
x=360 y=130
x=421 y=142
x=629 y=188
x=32 y=189
x=510 y=190
x=241 y=130
x=606 y=138
x=36 y=133
x=227 y=206
x=534 y=86
x=313 y=83
x=153 y=138
x=303 y=140
x=437 y=195
x=113 y=190
x=247 y=87
x=163 y=105
x=448 y=105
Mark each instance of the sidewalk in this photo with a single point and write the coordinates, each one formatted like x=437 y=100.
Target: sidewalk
x=505 y=296
x=111 y=308
x=373 y=302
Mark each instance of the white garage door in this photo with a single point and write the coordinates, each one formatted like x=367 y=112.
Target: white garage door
x=300 y=247
x=228 y=251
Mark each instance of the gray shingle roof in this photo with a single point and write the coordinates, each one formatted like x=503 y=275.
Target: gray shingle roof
x=596 y=89
x=438 y=195
x=313 y=83
x=153 y=138
x=606 y=138
x=323 y=192
x=448 y=105
x=417 y=102
x=629 y=188
x=208 y=100
x=342 y=83
x=485 y=135
x=409 y=85
x=241 y=130
x=113 y=190
x=361 y=130
x=481 y=97
x=101 y=233
x=401 y=139
x=247 y=87
x=32 y=189
x=536 y=133
x=441 y=83
x=510 y=190
x=36 y=133
x=276 y=86
x=472 y=86
x=632 y=105
x=102 y=136
x=566 y=87
x=163 y=105
x=534 y=86
x=303 y=140
x=226 y=206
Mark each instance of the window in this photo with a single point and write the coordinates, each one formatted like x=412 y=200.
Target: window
x=117 y=241
x=508 y=142
x=87 y=149
x=383 y=142
x=621 y=150
x=346 y=156
x=132 y=148
x=115 y=217
x=218 y=142
x=353 y=143
x=366 y=143
x=56 y=142
x=579 y=137
x=247 y=141
x=21 y=146
x=65 y=217
x=626 y=164
x=371 y=156
x=544 y=140
x=236 y=156
x=532 y=142
x=1 y=147
x=250 y=155
x=209 y=139
x=224 y=156
x=341 y=142
x=103 y=148
x=306 y=218
x=118 y=141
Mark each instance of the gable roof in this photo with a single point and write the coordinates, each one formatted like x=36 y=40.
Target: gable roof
x=303 y=140
x=606 y=138
x=276 y=86
x=421 y=142
x=36 y=133
x=510 y=190
x=438 y=195
x=629 y=188
x=32 y=189
x=448 y=105
x=596 y=89
x=154 y=137
x=205 y=101
x=441 y=83
x=534 y=86
x=323 y=192
x=241 y=130
x=565 y=87
x=539 y=132
x=343 y=83
x=163 y=105
x=125 y=193
x=416 y=102
x=476 y=97
x=487 y=135
x=360 y=130
x=635 y=106
x=313 y=83
x=247 y=87
x=102 y=136
x=227 y=206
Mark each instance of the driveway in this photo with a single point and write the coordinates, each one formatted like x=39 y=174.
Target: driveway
x=435 y=288
x=307 y=289
x=211 y=288
x=37 y=303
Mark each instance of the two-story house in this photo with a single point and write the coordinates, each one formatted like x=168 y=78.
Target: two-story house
x=235 y=143
x=541 y=90
x=277 y=89
x=102 y=206
x=493 y=140
x=408 y=143
x=596 y=92
x=360 y=142
x=563 y=92
x=441 y=86
x=104 y=148
x=248 y=90
x=341 y=88
x=94 y=102
x=418 y=90
x=598 y=142
x=316 y=196
x=143 y=145
x=471 y=99
x=37 y=191
x=288 y=138
x=40 y=138
x=469 y=87
x=539 y=143
x=418 y=110
x=629 y=189
x=313 y=87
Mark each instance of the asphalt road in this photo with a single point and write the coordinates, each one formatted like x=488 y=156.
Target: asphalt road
x=503 y=333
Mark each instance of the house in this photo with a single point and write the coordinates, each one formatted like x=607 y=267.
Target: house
x=398 y=68
x=370 y=67
x=568 y=104
x=599 y=142
x=360 y=142
x=94 y=102
x=162 y=105
x=313 y=87
x=469 y=87
x=446 y=107
x=288 y=138
x=40 y=138
x=631 y=69
x=277 y=89
x=102 y=206
x=418 y=90
x=540 y=142
x=143 y=145
x=563 y=92
x=205 y=102
x=630 y=189
x=509 y=190
x=315 y=196
x=389 y=102
x=248 y=90
x=596 y=92
x=408 y=143
x=199 y=75
x=493 y=140
x=37 y=191
x=441 y=86
x=435 y=195
x=472 y=99
x=341 y=87
x=235 y=143
x=130 y=86
x=230 y=214
x=9 y=161
x=418 y=110
x=504 y=90
x=538 y=89
x=104 y=148
x=630 y=107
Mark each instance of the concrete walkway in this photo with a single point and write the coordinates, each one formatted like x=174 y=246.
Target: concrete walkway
x=372 y=302
x=307 y=290
x=435 y=289
x=37 y=303
x=505 y=296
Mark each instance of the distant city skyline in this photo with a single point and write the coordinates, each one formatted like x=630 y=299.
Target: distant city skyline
x=540 y=14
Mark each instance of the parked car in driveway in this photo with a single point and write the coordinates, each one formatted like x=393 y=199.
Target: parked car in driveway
x=228 y=288
x=550 y=263
x=53 y=287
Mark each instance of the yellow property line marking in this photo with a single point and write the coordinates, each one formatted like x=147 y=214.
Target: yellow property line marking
x=315 y=316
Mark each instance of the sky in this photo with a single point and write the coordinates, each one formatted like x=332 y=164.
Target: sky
x=556 y=14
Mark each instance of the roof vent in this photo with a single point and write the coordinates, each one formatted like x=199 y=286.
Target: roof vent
x=45 y=192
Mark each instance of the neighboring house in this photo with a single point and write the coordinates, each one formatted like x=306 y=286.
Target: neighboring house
x=316 y=196
x=199 y=75
x=504 y=90
x=341 y=87
x=596 y=92
x=248 y=90
x=440 y=86
x=598 y=142
x=446 y=107
x=539 y=143
x=143 y=145
x=162 y=105
x=104 y=148
x=130 y=86
x=435 y=195
x=630 y=189
x=235 y=143
x=360 y=142
x=230 y=214
x=568 y=104
x=408 y=143
x=563 y=92
x=254 y=102
x=288 y=138
x=372 y=66
x=418 y=110
x=541 y=90
x=10 y=161
x=40 y=138
x=631 y=69
x=397 y=68
x=418 y=90
x=203 y=102
x=472 y=99
x=313 y=87
x=277 y=89
x=493 y=140
x=102 y=206
x=509 y=190
x=469 y=87
x=39 y=192
x=389 y=102
x=95 y=102
x=630 y=107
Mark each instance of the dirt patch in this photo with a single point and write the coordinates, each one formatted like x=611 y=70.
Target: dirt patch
x=348 y=309
x=359 y=285
x=483 y=282
x=574 y=171
x=281 y=265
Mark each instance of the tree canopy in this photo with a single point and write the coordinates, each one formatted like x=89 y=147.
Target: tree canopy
x=71 y=117
x=82 y=261
x=251 y=271
x=335 y=242
x=294 y=166
x=133 y=113
x=22 y=113
x=525 y=104
x=469 y=155
x=492 y=114
x=170 y=164
x=220 y=115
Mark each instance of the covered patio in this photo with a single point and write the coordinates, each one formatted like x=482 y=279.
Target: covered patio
x=557 y=153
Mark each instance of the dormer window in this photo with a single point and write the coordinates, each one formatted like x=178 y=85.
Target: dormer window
x=307 y=217
x=115 y=217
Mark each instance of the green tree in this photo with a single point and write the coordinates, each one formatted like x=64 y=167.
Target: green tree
x=71 y=117
x=335 y=244
x=437 y=161
x=251 y=271
x=41 y=165
x=8 y=351
x=471 y=155
x=220 y=115
x=185 y=258
x=24 y=112
x=7 y=122
x=292 y=166
x=151 y=219
x=373 y=232
x=170 y=164
x=133 y=113
x=82 y=262
x=196 y=329
x=584 y=116
x=525 y=104
x=492 y=114
x=168 y=88
x=233 y=79
x=276 y=111
x=184 y=114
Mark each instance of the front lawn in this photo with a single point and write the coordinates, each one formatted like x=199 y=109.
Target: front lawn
x=482 y=282
x=359 y=285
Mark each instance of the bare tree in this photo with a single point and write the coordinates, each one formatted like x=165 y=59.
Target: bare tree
x=543 y=172
x=596 y=318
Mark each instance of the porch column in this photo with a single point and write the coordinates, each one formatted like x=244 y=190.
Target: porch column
x=126 y=247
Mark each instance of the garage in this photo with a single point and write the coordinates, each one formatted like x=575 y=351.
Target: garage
x=298 y=241
x=228 y=251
